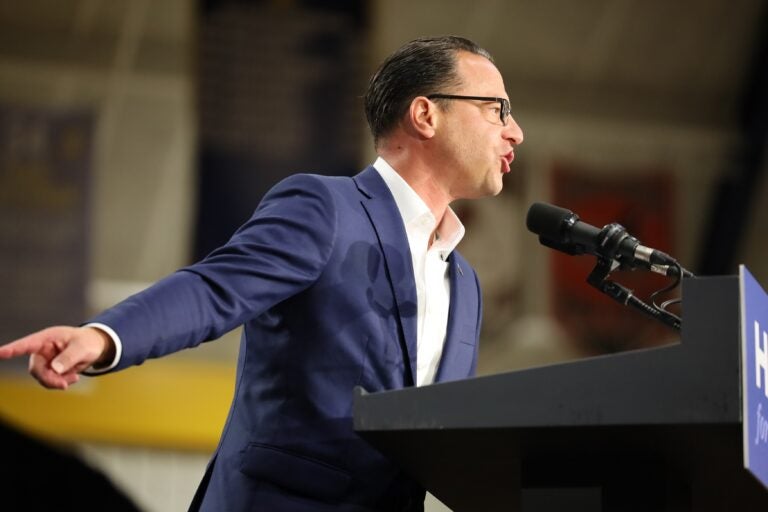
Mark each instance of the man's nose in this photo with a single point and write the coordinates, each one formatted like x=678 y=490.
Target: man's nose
x=513 y=132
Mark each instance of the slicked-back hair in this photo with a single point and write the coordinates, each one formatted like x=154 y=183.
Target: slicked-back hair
x=423 y=66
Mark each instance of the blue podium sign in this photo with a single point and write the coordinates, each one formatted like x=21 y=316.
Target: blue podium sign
x=754 y=364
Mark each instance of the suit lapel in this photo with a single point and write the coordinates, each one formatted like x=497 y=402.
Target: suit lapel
x=387 y=222
x=458 y=351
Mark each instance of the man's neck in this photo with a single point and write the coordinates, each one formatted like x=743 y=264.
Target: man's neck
x=421 y=177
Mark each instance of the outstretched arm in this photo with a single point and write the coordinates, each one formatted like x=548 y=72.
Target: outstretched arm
x=279 y=252
x=58 y=354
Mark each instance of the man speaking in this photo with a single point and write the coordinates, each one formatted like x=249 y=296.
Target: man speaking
x=338 y=282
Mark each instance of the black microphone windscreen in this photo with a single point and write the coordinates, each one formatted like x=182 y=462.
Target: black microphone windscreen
x=547 y=220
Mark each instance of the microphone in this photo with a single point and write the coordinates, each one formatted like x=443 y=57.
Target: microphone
x=561 y=229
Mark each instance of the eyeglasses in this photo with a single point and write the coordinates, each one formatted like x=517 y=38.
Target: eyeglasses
x=504 y=110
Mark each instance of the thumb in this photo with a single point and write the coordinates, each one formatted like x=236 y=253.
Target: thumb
x=82 y=351
x=61 y=364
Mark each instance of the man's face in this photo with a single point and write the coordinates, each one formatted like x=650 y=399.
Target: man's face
x=476 y=149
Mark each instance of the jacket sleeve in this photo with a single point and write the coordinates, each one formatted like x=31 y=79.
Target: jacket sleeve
x=279 y=252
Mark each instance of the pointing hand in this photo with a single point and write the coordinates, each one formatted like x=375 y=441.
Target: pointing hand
x=58 y=354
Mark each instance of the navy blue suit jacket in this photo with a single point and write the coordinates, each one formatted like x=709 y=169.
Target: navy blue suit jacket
x=322 y=279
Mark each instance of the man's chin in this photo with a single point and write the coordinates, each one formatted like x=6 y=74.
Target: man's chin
x=489 y=191
x=496 y=187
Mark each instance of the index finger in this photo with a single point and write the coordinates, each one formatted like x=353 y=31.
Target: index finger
x=27 y=345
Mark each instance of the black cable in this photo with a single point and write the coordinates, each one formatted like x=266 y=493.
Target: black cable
x=675 y=284
x=681 y=272
x=668 y=303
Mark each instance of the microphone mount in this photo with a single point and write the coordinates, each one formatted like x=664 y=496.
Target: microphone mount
x=623 y=295
x=613 y=237
x=614 y=248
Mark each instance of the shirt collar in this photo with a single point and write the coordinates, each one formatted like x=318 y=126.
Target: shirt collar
x=412 y=209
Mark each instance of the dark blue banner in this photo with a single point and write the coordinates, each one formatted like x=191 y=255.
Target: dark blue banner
x=754 y=339
x=45 y=160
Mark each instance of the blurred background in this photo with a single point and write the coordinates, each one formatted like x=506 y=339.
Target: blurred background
x=135 y=136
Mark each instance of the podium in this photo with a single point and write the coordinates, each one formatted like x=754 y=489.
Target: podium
x=646 y=430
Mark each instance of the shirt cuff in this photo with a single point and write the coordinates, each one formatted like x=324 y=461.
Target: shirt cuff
x=118 y=349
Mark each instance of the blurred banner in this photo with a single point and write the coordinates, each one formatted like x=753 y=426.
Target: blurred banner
x=45 y=160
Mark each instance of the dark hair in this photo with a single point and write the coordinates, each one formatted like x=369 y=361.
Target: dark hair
x=423 y=66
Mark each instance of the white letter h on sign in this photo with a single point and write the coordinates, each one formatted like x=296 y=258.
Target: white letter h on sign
x=761 y=358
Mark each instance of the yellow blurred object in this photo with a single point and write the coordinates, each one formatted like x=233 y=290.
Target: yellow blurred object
x=164 y=403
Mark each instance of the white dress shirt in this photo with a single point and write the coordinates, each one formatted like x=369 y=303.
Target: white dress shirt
x=430 y=268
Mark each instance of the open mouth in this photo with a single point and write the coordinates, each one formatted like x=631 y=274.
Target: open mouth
x=507 y=161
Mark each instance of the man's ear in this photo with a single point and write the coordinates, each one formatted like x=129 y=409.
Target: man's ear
x=423 y=117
